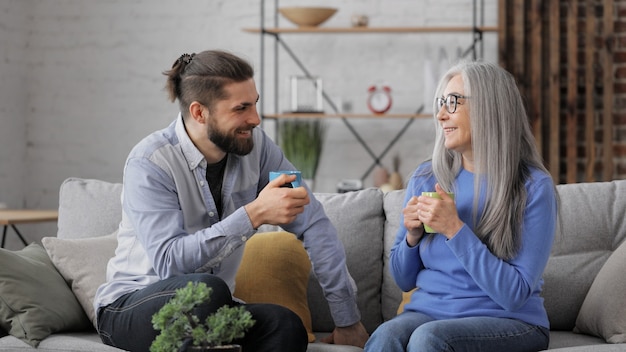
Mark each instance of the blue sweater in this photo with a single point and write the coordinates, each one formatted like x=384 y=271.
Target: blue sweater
x=460 y=277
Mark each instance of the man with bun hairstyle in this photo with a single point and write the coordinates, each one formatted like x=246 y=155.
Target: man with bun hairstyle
x=193 y=193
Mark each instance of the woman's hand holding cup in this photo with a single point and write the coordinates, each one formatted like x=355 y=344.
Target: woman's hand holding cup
x=438 y=212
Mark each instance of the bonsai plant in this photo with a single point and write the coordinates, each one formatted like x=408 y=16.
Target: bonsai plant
x=181 y=330
x=302 y=141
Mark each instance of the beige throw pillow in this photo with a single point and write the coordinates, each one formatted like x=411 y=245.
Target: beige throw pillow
x=82 y=263
x=603 y=312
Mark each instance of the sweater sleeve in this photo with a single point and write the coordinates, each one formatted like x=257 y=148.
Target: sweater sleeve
x=405 y=262
x=325 y=249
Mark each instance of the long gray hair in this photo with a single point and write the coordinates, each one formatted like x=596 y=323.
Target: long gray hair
x=504 y=150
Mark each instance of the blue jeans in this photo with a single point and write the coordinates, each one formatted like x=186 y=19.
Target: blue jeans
x=412 y=331
x=126 y=323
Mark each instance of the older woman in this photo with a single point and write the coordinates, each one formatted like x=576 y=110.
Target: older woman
x=478 y=276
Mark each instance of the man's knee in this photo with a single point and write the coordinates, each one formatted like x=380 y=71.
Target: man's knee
x=284 y=318
x=276 y=328
x=220 y=294
x=278 y=319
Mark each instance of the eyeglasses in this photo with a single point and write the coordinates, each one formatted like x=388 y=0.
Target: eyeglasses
x=450 y=101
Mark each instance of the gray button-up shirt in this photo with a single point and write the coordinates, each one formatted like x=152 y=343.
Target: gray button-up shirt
x=170 y=225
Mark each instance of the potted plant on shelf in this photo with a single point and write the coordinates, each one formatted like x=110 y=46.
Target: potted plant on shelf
x=181 y=330
x=302 y=140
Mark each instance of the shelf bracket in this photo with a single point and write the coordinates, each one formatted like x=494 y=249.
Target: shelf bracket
x=478 y=37
x=391 y=144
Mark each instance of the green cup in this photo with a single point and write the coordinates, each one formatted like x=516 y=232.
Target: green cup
x=427 y=228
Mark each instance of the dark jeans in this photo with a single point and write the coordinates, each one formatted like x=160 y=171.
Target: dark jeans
x=126 y=323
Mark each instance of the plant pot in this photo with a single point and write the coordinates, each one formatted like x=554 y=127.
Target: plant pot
x=227 y=348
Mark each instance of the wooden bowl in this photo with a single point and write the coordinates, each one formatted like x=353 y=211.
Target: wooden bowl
x=307 y=16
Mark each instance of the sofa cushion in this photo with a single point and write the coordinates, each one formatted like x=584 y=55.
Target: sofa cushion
x=567 y=279
x=275 y=269
x=61 y=342
x=603 y=312
x=406 y=299
x=88 y=208
x=82 y=262
x=35 y=301
x=359 y=219
x=591 y=225
x=567 y=340
x=391 y=293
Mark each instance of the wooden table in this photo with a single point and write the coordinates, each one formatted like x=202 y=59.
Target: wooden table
x=11 y=217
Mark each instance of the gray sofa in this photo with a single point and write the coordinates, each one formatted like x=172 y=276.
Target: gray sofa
x=585 y=284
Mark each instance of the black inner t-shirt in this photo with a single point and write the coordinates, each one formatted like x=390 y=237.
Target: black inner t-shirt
x=215 y=178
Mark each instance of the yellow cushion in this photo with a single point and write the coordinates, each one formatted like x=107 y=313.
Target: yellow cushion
x=406 y=298
x=275 y=269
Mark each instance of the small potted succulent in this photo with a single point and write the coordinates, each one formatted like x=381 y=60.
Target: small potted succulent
x=181 y=330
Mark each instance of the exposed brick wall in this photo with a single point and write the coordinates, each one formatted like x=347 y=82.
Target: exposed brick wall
x=619 y=56
x=592 y=167
x=569 y=58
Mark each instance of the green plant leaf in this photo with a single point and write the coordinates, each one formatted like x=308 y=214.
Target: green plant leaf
x=302 y=141
x=177 y=323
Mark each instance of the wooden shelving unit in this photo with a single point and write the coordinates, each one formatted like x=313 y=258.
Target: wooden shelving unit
x=346 y=116
x=382 y=30
x=276 y=32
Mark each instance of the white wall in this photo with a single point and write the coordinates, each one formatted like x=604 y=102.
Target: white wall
x=82 y=83
x=13 y=100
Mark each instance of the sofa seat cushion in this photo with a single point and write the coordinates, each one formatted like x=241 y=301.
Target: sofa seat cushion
x=325 y=347
x=35 y=301
x=565 y=339
x=65 y=341
x=275 y=269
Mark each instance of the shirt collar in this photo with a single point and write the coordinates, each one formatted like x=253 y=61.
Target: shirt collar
x=192 y=154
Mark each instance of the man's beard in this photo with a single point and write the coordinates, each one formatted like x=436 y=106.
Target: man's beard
x=230 y=144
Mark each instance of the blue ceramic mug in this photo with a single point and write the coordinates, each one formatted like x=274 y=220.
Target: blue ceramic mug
x=293 y=184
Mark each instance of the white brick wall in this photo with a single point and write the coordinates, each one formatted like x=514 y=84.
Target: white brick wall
x=82 y=83
x=13 y=100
